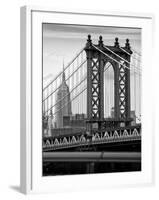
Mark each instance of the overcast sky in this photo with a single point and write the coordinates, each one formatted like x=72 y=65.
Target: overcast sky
x=62 y=42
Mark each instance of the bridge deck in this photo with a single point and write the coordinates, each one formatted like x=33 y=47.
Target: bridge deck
x=92 y=157
x=116 y=135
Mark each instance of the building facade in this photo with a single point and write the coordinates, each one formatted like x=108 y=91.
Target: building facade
x=63 y=103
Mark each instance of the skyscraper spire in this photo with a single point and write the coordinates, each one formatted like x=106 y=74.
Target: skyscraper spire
x=63 y=75
x=63 y=105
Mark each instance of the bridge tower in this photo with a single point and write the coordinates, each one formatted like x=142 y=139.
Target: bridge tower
x=97 y=58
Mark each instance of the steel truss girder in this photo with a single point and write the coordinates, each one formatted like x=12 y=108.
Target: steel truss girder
x=97 y=137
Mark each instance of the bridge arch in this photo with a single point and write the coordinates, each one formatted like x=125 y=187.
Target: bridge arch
x=109 y=90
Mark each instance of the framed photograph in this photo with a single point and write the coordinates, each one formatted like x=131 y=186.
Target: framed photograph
x=86 y=111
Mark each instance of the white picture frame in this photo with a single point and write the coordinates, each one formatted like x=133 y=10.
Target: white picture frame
x=31 y=78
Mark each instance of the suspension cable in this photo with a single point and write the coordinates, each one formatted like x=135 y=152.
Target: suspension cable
x=65 y=68
x=71 y=100
x=139 y=54
x=129 y=54
x=112 y=58
x=120 y=57
x=66 y=80
x=70 y=92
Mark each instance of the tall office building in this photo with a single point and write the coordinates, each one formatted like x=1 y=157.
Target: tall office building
x=63 y=103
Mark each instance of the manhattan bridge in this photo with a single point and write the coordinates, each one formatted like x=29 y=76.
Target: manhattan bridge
x=91 y=109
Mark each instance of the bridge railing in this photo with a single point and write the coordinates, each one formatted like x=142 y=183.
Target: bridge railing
x=110 y=135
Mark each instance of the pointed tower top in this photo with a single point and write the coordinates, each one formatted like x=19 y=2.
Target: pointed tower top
x=116 y=43
x=63 y=75
x=127 y=44
x=89 y=42
x=100 y=42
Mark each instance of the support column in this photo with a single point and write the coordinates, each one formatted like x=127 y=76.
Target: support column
x=95 y=84
x=89 y=84
x=128 y=91
x=116 y=91
x=101 y=82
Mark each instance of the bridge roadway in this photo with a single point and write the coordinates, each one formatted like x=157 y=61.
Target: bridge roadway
x=125 y=157
x=109 y=136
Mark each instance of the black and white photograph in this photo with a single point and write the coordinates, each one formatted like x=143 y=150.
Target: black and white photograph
x=91 y=99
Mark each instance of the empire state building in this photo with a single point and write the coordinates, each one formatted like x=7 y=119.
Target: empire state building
x=63 y=103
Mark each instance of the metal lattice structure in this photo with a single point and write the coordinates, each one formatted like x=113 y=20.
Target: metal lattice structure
x=78 y=140
x=97 y=57
x=83 y=82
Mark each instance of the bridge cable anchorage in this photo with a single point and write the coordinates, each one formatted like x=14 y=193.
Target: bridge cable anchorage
x=66 y=80
x=112 y=58
x=78 y=54
x=121 y=57
x=129 y=54
x=74 y=97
